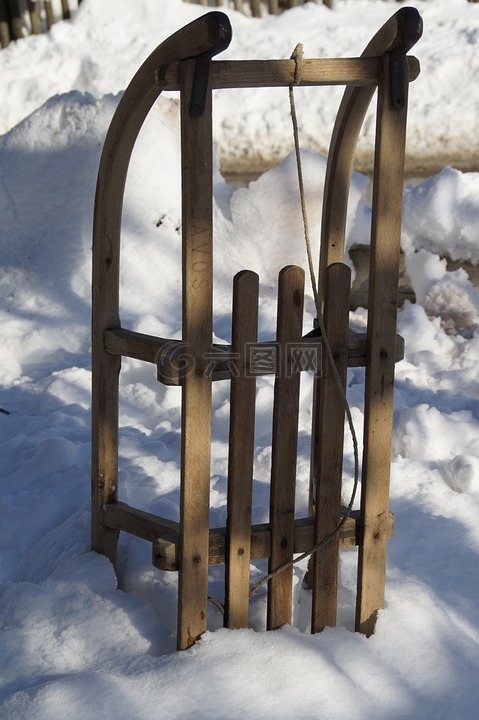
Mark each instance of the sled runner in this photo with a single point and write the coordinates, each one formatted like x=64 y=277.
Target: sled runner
x=184 y=62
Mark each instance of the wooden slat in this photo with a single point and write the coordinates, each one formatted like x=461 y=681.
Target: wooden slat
x=281 y=73
x=16 y=24
x=241 y=451
x=344 y=138
x=50 y=15
x=4 y=25
x=66 y=14
x=197 y=220
x=379 y=389
x=284 y=445
x=330 y=449
x=34 y=17
x=165 y=550
x=120 y=516
x=166 y=353
x=255 y=8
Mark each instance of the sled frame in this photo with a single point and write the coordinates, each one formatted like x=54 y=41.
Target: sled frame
x=184 y=63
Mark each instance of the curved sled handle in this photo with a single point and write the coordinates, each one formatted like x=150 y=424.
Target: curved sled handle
x=398 y=34
x=202 y=39
x=205 y=37
x=395 y=37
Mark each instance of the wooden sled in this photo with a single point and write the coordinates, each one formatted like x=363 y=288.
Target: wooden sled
x=184 y=62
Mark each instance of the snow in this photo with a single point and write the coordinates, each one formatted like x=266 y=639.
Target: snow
x=72 y=644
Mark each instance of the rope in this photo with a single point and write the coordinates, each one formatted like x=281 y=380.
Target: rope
x=298 y=57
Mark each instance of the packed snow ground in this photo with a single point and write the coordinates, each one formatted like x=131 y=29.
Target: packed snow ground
x=72 y=644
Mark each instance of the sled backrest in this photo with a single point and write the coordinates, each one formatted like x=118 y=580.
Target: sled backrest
x=184 y=62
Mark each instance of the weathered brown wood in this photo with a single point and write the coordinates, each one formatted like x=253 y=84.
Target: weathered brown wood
x=50 y=15
x=120 y=516
x=207 y=34
x=349 y=120
x=284 y=444
x=197 y=220
x=16 y=24
x=165 y=550
x=169 y=355
x=5 y=35
x=66 y=14
x=379 y=389
x=330 y=448
x=34 y=17
x=191 y=546
x=241 y=451
x=363 y=71
x=255 y=7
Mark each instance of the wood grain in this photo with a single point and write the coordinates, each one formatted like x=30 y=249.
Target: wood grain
x=284 y=444
x=197 y=223
x=379 y=389
x=241 y=451
x=330 y=449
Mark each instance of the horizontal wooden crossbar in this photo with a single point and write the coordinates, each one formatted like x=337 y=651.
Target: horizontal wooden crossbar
x=281 y=73
x=120 y=516
x=166 y=354
x=165 y=549
x=165 y=534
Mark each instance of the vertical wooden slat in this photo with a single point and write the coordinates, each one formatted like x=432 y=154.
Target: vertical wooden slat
x=4 y=24
x=273 y=7
x=65 y=10
x=238 y=5
x=284 y=444
x=241 y=451
x=34 y=17
x=16 y=19
x=381 y=338
x=255 y=8
x=330 y=448
x=50 y=15
x=197 y=218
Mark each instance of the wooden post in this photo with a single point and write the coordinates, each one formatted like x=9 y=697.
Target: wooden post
x=241 y=451
x=16 y=19
x=284 y=444
x=4 y=24
x=197 y=220
x=255 y=8
x=34 y=17
x=50 y=15
x=66 y=14
x=330 y=424
x=381 y=338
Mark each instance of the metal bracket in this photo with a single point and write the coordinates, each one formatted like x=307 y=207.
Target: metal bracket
x=200 y=85
x=398 y=79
